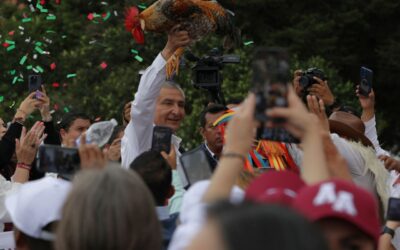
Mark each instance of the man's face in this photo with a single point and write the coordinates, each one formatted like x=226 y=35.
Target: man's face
x=77 y=127
x=344 y=236
x=211 y=134
x=3 y=128
x=170 y=108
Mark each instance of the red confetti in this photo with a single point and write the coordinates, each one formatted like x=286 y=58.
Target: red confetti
x=42 y=2
x=56 y=85
x=58 y=1
x=90 y=16
x=5 y=45
x=53 y=66
x=11 y=33
x=103 y=65
x=56 y=107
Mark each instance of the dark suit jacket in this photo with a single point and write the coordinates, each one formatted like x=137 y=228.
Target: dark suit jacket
x=213 y=162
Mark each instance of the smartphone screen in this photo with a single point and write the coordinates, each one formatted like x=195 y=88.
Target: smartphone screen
x=365 y=81
x=34 y=82
x=57 y=159
x=393 y=212
x=161 y=139
x=195 y=167
x=271 y=75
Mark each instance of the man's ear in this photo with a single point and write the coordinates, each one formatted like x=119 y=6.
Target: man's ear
x=171 y=192
x=202 y=130
x=63 y=132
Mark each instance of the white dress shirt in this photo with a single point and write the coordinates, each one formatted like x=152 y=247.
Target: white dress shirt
x=139 y=132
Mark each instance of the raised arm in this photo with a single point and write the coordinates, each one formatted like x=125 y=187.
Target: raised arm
x=138 y=133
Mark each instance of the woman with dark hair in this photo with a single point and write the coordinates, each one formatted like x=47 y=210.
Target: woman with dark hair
x=250 y=226
x=111 y=209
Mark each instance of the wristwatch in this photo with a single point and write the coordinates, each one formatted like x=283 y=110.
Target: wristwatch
x=388 y=230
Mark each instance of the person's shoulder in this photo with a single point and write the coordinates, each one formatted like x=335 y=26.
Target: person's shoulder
x=198 y=148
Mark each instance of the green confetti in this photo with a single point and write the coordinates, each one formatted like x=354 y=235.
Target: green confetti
x=95 y=15
x=138 y=58
x=142 y=6
x=9 y=41
x=11 y=48
x=66 y=110
x=23 y=60
x=1 y=98
x=40 y=69
x=29 y=67
x=107 y=16
x=64 y=36
x=20 y=80
x=12 y=72
x=15 y=80
x=51 y=17
x=50 y=31
x=71 y=75
x=38 y=49
x=12 y=105
x=43 y=10
x=134 y=51
x=248 y=43
x=27 y=20
x=38 y=44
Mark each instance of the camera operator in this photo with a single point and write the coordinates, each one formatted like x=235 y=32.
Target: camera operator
x=157 y=102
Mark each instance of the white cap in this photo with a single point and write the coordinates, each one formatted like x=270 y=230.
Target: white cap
x=36 y=204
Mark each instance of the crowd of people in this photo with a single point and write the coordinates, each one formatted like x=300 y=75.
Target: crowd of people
x=330 y=191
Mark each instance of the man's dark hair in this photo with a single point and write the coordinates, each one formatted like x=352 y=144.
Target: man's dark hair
x=156 y=173
x=69 y=118
x=210 y=109
x=277 y=227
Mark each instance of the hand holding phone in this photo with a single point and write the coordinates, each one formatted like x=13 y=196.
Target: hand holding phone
x=57 y=159
x=366 y=75
x=161 y=140
x=393 y=212
x=35 y=85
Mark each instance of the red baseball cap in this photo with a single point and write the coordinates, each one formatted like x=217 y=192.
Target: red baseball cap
x=275 y=187
x=343 y=200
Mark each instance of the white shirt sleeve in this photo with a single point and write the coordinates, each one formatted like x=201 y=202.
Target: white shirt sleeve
x=6 y=188
x=372 y=135
x=138 y=133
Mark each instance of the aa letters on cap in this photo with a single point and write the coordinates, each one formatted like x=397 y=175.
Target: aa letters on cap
x=341 y=201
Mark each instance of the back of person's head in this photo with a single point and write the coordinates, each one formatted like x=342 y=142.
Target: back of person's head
x=68 y=119
x=156 y=173
x=249 y=226
x=35 y=210
x=210 y=109
x=109 y=209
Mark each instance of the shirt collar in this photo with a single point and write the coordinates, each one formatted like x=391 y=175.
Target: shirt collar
x=209 y=150
x=162 y=212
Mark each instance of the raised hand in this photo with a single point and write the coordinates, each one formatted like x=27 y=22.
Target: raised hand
x=367 y=104
x=322 y=91
x=27 y=146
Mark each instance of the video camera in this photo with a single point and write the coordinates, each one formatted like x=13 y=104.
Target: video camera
x=206 y=72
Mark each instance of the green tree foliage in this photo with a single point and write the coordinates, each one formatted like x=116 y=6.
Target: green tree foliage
x=337 y=36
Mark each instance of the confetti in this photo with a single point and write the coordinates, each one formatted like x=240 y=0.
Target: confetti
x=139 y=58
x=90 y=16
x=23 y=60
x=38 y=49
x=51 y=17
x=142 y=6
x=66 y=109
x=106 y=16
x=56 y=85
x=11 y=48
x=71 y=75
x=248 y=43
x=27 y=20
x=134 y=51
x=103 y=65
x=12 y=105
x=53 y=66
x=1 y=98
x=39 y=69
x=9 y=41
x=15 y=80
x=11 y=33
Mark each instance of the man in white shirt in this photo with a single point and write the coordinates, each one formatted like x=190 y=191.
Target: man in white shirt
x=157 y=102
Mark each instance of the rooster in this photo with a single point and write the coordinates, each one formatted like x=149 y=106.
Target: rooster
x=198 y=17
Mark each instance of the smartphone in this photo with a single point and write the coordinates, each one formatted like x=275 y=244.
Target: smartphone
x=393 y=212
x=161 y=139
x=271 y=76
x=195 y=167
x=365 y=81
x=57 y=159
x=35 y=84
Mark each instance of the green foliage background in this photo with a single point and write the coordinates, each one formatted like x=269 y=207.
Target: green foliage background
x=337 y=36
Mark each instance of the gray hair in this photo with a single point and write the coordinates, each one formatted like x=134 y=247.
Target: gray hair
x=173 y=85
